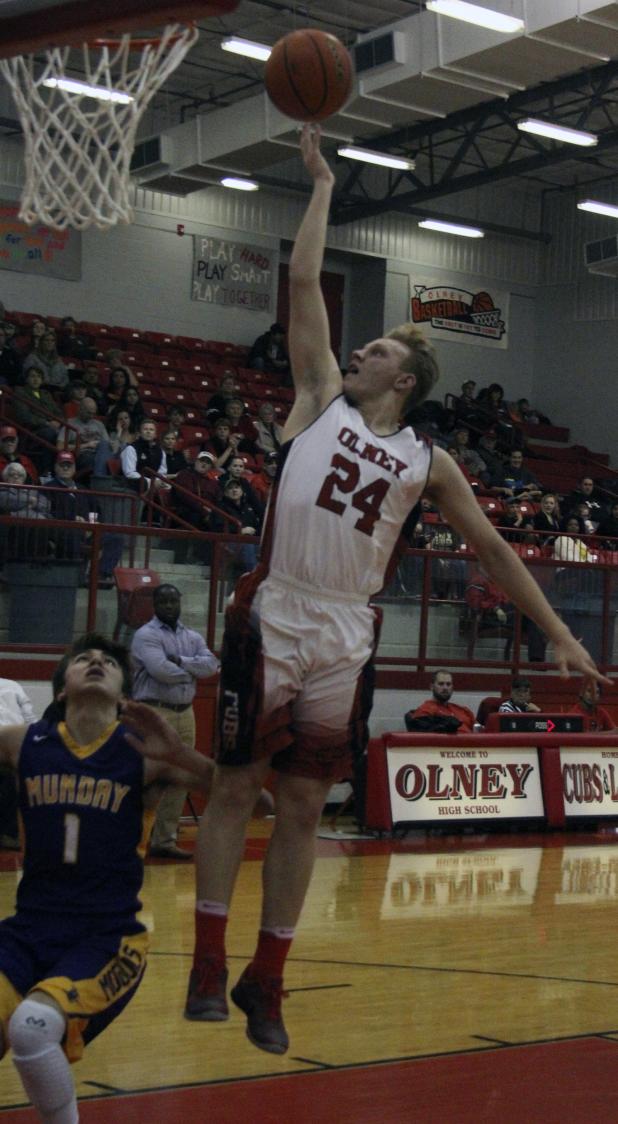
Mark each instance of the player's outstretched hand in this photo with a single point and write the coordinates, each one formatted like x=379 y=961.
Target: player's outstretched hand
x=310 y=148
x=149 y=733
x=570 y=655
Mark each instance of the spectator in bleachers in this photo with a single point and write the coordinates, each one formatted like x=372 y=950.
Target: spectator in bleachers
x=569 y=546
x=215 y=406
x=118 y=383
x=73 y=344
x=522 y=413
x=22 y=502
x=241 y=425
x=269 y=353
x=76 y=393
x=116 y=362
x=120 y=434
x=440 y=705
x=132 y=402
x=9 y=441
x=515 y=482
x=37 y=330
x=515 y=524
x=460 y=437
x=467 y=410
x=31 y=406
x=144 y=457
x=599 y=720
x=583 y=512
x=237 y=471
x=546 y=520
x=19 y=498
x=233 y=502
x=10 y=361
x=68 y=501
x=269 y=432
x=176 y=462
x=490 y=453
x=92 y=377
x=491 y=401
x=176 y=418
x=10 y=331
x=200 y=485
x=224 y=444
x=262 y=481
x=45 y=358
x=455 y=452
x=91 y=433
x=586 y=492
x=607 y=528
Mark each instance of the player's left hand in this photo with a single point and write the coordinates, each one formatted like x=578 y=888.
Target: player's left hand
x=149 y=733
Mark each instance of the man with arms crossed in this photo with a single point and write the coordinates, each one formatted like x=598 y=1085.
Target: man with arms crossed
x=300 y=632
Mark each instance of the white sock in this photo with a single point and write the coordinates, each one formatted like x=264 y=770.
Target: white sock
x=205 y=905
x=35 y=1033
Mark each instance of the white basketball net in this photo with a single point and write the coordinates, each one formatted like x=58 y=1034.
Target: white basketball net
x=78 y=149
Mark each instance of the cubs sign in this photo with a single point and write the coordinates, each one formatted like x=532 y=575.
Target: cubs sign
x=463 y=315
x=430 y=784
x=589 y=782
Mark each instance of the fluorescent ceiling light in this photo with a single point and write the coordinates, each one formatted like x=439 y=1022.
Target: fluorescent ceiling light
x=557 y=132
x=246 y=47
x=240 y=185
x=473 y=13
x=102 y=93
x=598 y=208
x=382 y=158
x=452 y=228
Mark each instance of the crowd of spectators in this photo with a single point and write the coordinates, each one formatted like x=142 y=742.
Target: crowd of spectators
x=68 y=396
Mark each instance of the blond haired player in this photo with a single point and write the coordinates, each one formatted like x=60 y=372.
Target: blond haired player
x=301 y=633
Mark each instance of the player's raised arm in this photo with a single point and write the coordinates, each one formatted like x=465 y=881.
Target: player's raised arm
x=448 y=489
x=317 y=378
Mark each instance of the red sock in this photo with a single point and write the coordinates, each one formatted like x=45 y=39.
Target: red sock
x=270 y=954
x=209 y=937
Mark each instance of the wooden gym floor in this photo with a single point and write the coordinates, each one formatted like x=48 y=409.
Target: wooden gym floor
x=434 y=980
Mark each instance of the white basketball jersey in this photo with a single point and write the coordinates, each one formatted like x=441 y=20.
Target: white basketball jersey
x=344 y=494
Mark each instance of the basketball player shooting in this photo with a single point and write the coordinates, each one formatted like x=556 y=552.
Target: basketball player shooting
x=300 y=633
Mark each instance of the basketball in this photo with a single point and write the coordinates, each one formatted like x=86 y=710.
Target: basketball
x=308 y=75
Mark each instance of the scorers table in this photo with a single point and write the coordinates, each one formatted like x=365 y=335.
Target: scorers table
x=466 y=779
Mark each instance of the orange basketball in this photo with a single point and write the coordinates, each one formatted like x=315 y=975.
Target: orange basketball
x=308 y=75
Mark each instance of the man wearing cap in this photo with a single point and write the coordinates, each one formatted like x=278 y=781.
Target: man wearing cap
x=68 y=501
x=192 y=486
x=168 y=659
x=269 y=353
x=8 y=454
x=489 y=451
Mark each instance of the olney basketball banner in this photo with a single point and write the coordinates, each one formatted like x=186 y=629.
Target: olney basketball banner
x=463 y=784
x=474 y=315
x=234 y=274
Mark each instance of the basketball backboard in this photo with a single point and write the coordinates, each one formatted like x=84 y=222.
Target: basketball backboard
x=31 y=25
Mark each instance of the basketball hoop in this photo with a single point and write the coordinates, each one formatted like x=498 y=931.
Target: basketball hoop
x=79 y=144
